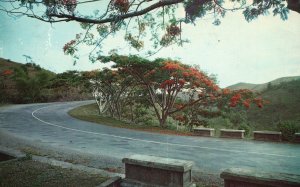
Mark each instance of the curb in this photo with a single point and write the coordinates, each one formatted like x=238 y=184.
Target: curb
x=18 y=154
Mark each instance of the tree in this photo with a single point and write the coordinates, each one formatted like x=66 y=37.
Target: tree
x=30 y=86
x=172 y=86
x=110 y=88
x=161 y=22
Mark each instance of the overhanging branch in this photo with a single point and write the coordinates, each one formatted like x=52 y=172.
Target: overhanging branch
x=159 y=4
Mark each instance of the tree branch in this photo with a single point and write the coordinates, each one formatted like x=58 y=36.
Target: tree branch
x=159 y=4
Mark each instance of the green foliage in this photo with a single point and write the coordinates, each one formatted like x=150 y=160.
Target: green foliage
x=34 y=66
x=284 y=102
x=134 y=41
x=30 y=86
x=139 y=22
x=236 y=116
x=245 y=127
x=220 y=122
x=261 y=7
x=198 y=9
x=29 y=82
x=288 y=129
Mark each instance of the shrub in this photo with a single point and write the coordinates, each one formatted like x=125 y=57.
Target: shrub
x=220 y=122
x=245 y=127
x=288 y=129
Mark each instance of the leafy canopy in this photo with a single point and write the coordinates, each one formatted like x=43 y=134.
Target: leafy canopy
x=171 y=86
x=161 y=22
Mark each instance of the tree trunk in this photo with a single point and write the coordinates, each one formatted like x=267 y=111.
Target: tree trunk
x=163 y=119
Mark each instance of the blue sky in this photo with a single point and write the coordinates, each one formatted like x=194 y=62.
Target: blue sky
x=237 y=51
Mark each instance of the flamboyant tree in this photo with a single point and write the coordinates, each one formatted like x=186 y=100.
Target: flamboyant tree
x=110 y=88
x=172 y=86
x=159 y=21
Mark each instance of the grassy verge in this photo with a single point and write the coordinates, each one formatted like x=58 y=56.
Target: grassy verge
x=90 y=113
x=31 y=173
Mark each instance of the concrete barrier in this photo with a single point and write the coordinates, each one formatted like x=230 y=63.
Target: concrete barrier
x=112 y=182
x=237 y=177
x=143 y=170
x=231 y=133
x=267 y=136
x=204 y=131
x=297 y=138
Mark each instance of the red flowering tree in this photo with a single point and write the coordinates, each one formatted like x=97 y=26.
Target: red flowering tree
x=110 y=88
x=172 y=88
x=170 y=85
x=6 y=72
x=241 y=98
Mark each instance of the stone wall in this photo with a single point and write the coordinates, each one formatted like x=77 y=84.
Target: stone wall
x=237 y=177
x=231 y=133
x=208 y=132
x=267 y=136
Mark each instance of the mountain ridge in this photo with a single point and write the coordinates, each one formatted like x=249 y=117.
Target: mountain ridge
x=263 y=86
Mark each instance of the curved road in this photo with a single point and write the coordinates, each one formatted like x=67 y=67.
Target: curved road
x=50 y=124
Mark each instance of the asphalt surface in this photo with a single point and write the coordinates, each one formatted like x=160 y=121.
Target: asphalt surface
x=50 y=125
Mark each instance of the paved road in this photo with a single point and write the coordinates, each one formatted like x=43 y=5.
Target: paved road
x=51 y=125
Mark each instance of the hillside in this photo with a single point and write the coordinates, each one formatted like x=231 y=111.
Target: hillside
x=284 y=104
x=29 y=83
x=30 y=67
x=261 y=87
x=6 y=63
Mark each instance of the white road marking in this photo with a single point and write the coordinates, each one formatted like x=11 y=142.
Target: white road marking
x=154 y=142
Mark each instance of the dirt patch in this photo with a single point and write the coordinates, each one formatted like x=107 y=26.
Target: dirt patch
x=32 y=173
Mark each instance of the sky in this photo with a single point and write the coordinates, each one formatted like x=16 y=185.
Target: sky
x=236 y=51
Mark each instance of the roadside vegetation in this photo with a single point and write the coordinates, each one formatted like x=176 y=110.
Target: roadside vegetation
x=90 y=113
x=163 y=95
x=29 y=83
x=137 y=96
x=29 y=173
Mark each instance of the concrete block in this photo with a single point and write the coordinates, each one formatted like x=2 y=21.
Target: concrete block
x=267 y=136
x=143 y=170
x=112 y=182
x=232 y=133
x=297 y=138
x=204 y=131
x=237 y=177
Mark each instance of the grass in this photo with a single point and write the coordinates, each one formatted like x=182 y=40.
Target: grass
x=32 y=173
x=90 y=113
x=284 y=106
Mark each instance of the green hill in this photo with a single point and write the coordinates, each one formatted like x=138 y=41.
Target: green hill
x=6 y=63
x=283 y=108
x=284 y=97
x=31 y=68
x=29 y=83
x=261 y=87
